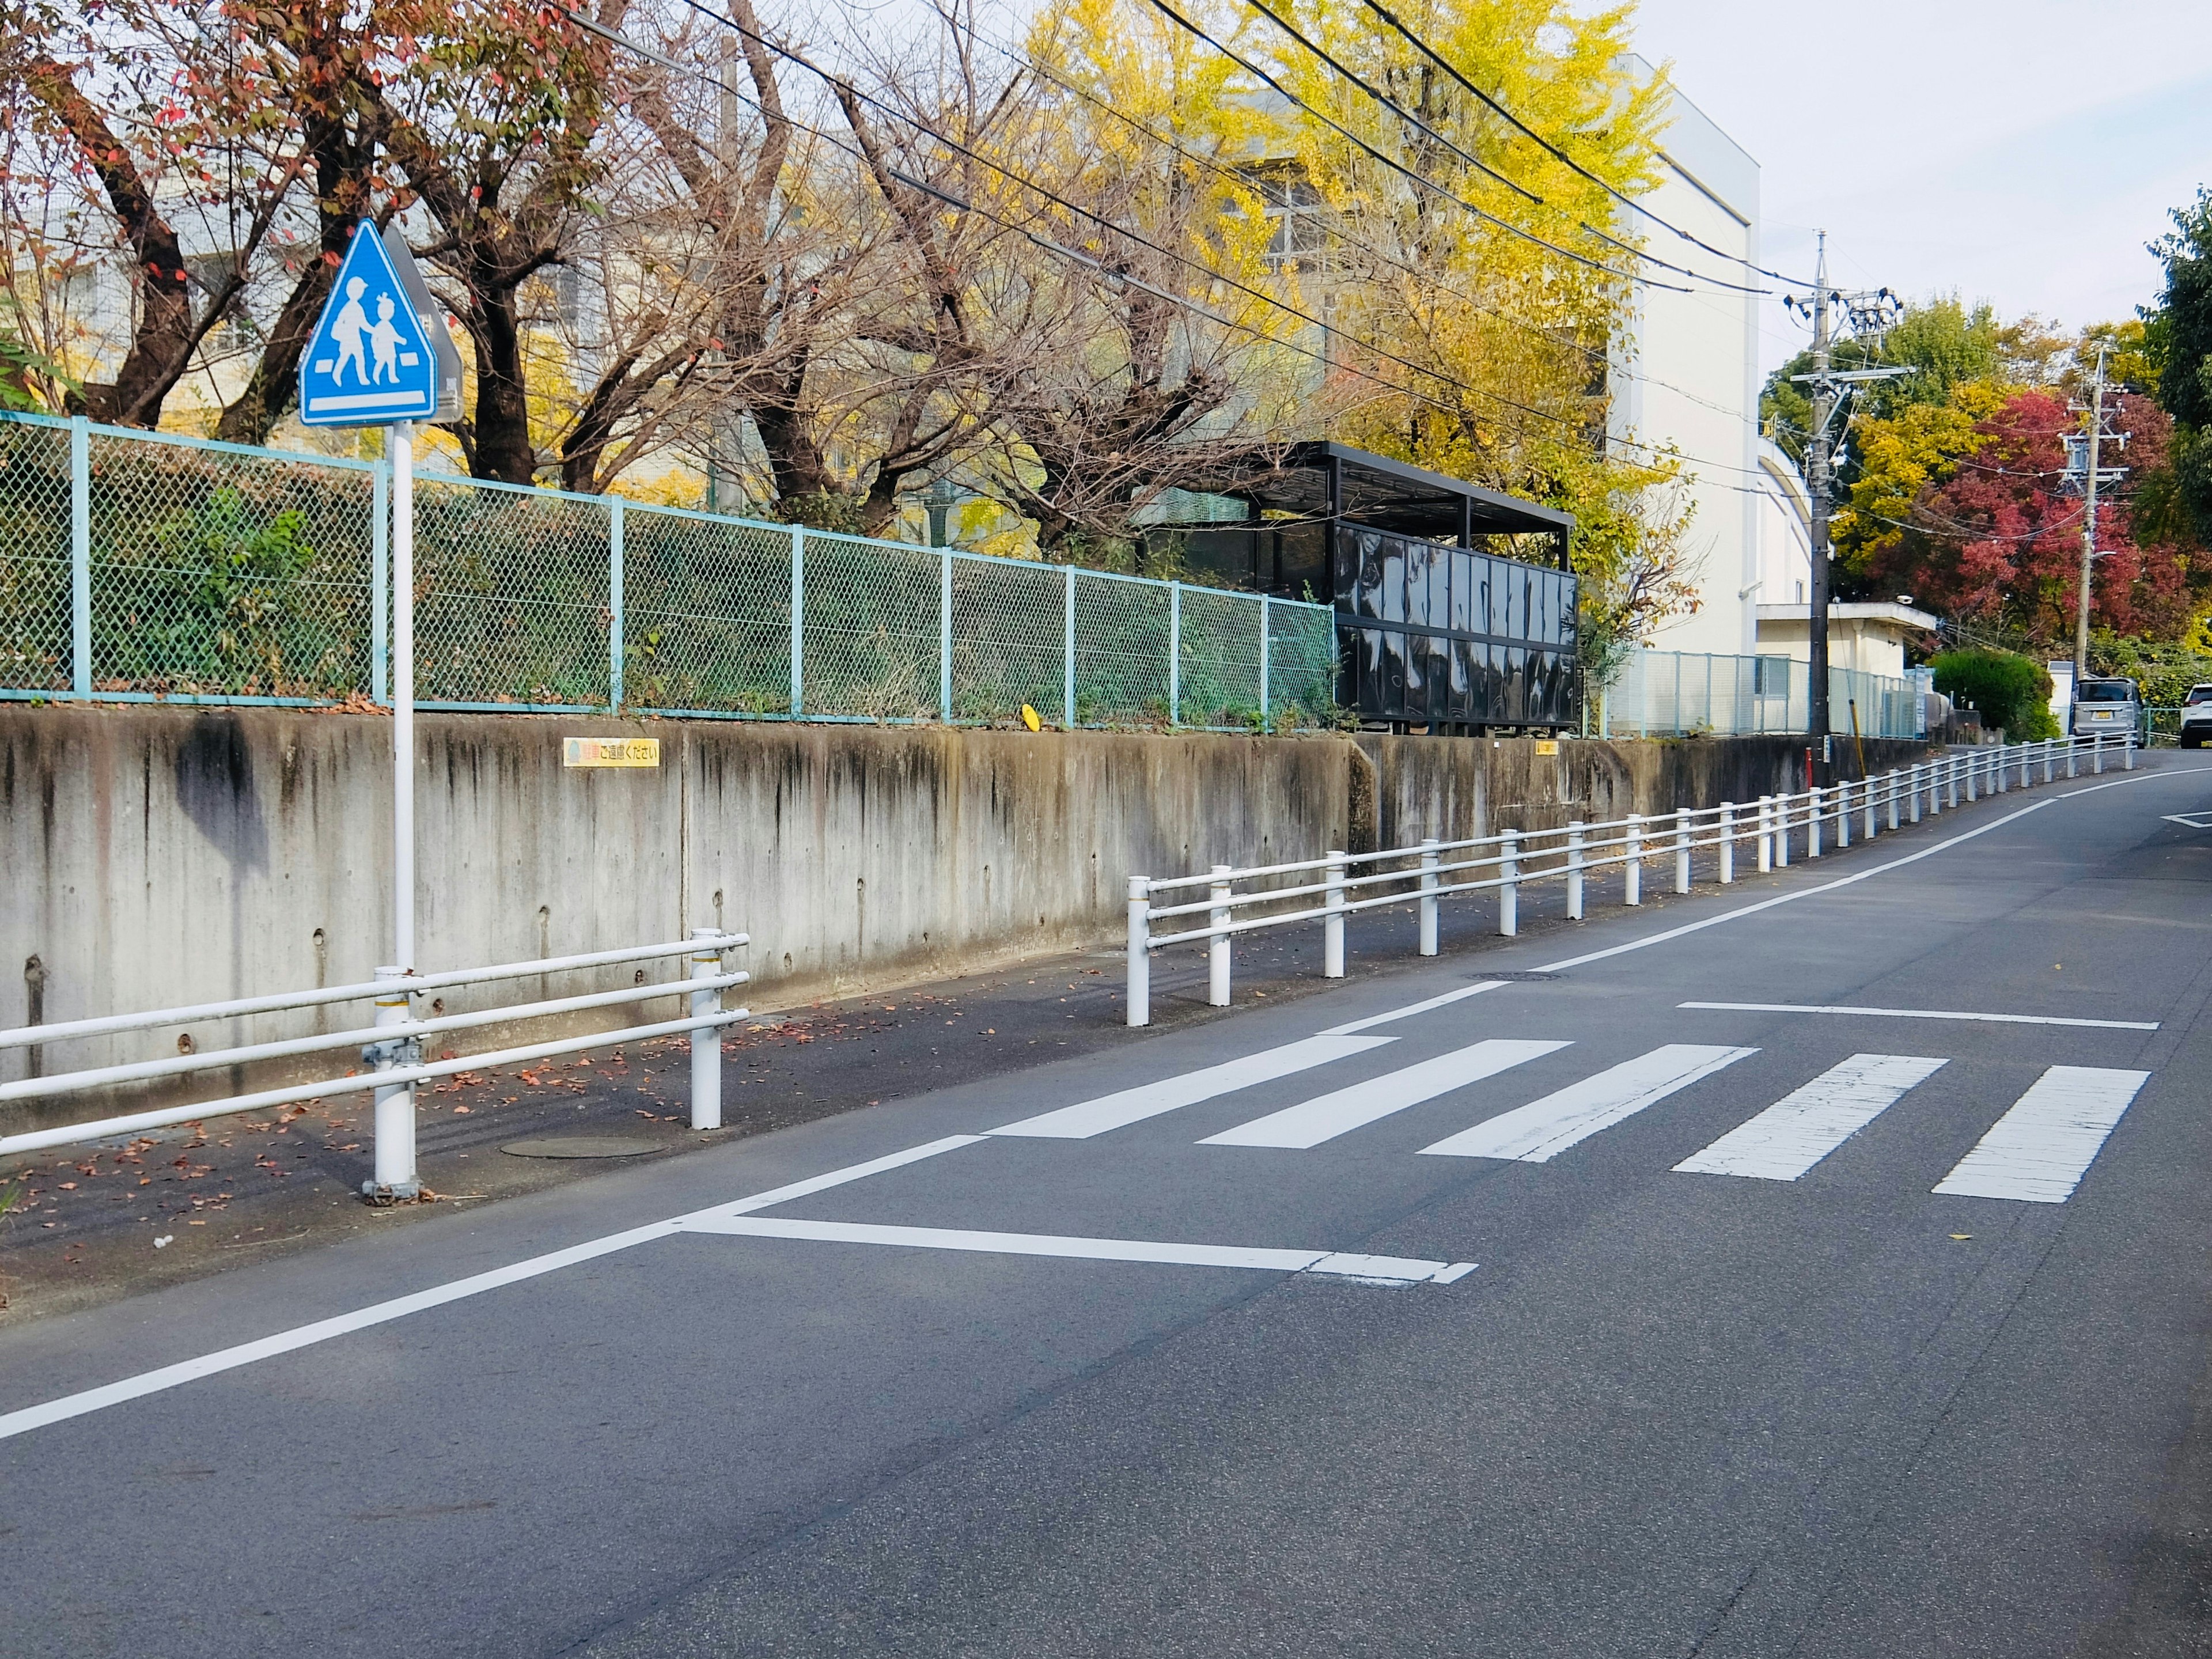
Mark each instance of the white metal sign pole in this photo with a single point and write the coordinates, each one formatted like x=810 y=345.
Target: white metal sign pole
x=403 y=695
x=395 y=1108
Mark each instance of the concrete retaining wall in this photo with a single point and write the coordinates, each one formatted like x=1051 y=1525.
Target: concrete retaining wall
x=152 y=856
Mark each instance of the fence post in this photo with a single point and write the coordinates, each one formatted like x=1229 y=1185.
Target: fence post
x=1331 y=927
x=1509 y=892
x=1631 y=853
x=1175 y=653
x=944 y=637
x=1766 y=834
x=1912 y=791
x=1429 y=895
x=379 y=576
x=2128 y=752
x=1728 y=843
x=2048 y=744
x=798 y=620
x=1573 y=870
x=1813 y=822
x=1973 y=776
x=705 y=1041
x=1844 y=813
x=1782 y=809
x=2097 y=757
x=1069 y=673
x=1868 y=802
x=80 y=555
x=1266 y=664
x=1682 y=850
x=615 y=622
x=1896 y=787
x=395 y=1106
x=1952 y=766
x=1140 y=951
x=2070 y=740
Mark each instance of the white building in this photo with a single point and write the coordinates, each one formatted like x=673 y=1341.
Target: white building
x=1689 y=378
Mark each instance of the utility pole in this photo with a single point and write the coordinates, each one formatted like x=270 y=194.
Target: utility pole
x=1824 y=409
x=1868 y=313
x=2089 y=524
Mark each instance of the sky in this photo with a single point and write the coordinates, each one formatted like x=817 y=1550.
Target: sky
x=2017 y=151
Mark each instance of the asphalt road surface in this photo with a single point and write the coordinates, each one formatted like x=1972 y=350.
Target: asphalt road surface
x=1741 y=1285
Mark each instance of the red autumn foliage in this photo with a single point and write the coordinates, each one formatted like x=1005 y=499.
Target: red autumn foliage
x=2000 y=540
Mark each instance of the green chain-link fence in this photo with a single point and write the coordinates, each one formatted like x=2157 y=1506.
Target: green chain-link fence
x=138 y=566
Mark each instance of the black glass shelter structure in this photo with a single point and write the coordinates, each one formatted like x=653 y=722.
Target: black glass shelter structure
x=1455 y=605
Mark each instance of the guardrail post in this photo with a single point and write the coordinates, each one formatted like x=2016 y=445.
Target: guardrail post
x=705 y=1041
x=1871 y=802
x=1728 y=843
x=1783 y=809
x=1217 y=948
x=1973 y=777
x=1844 y=813
x=1914 y=786
x=1813 y=822
x=1429 y=859
x=1631 y=868
x=1952 y=766
x=1573 y=870
x=1140 y=951
x=395 y=1175
x=81 y=556
x=2048 y=746
x=1331 y=927
x=1896 y=786
x=798 y=620
x=2097 y=757
x=1509 y=891
x=2070 y=752
x=1765 y=837
x=1682 y=850
x=2128 y=752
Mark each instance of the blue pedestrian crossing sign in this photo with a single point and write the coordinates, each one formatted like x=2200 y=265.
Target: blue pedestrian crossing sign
x=379 y=352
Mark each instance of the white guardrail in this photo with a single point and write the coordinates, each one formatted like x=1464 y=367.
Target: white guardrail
x=392 y=1047
x=1515 y=858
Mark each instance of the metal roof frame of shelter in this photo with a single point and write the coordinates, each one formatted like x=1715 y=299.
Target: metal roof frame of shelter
x=1323 y=479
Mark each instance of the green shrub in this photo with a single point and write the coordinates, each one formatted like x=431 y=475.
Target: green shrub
x=2011 y=692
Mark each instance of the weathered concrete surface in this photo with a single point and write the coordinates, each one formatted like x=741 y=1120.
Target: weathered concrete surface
x=151 y=857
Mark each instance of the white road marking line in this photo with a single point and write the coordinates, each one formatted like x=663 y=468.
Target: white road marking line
x=2190 y=820
x=1924 y=1013
x=1541 y=1130
x=1413 y=1008
x=1795 y=1133
x=24 y=1420
x=2038 y=1152
x=1310 y=1123
x=1095 y=1117
x=1399 y=1269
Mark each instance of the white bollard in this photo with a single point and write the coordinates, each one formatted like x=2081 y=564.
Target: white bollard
x=1873 y=790
x=1844 y=813
x=2097 y=759
x=1973 y=776
x=1813 y=822
x=705 y=1041
x=2127 y=753
x=1766 y=834
x=1952 y=765
x=1331 y=927
x=1682 y=850
x=1914 y=783
x=1783 y=809
x=1632 y=871
x=395 y=1106
x=2047 y=757
x=1575 y=870
x=1509 y=892
x=1217 y=948
x=1429 y=897
x=1140 y=951
x=1728 y=843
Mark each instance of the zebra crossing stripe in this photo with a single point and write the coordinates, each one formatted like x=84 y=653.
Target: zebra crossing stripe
x=1795 y=1133
x=1087 y=1118
x=1327 y=1116
x=2038 y=1152
x=1541 y=1130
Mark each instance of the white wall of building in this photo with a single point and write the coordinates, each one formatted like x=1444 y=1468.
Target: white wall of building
x=1689 y=380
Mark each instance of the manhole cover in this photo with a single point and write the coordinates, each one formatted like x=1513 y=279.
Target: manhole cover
x=579 y=1146
x=1516 y=979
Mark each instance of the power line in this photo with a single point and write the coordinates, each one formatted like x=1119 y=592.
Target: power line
x=1452 y=69
x=1395 y=166
x=1357 y=80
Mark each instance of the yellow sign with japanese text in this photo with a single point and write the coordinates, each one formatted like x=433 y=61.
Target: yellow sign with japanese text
x=611 y=751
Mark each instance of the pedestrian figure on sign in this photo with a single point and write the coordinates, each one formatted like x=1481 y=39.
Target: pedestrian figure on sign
x=351 y=322
x=383 y=339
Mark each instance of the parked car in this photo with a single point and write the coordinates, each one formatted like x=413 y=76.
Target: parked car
x=2197 y=717
x=2113 y=708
